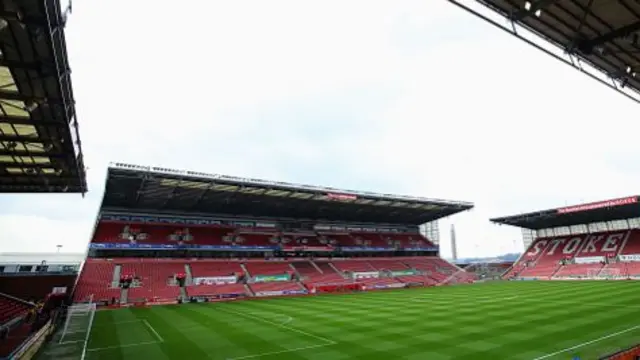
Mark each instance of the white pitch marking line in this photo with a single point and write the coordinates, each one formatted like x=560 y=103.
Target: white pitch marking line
x=124 y=346
x=588 y=342
x=122 y=322
x=71 y=342
x=279 y=352
x=277 y=315
x=153 y=330
x=471 y=300
x=327 y=341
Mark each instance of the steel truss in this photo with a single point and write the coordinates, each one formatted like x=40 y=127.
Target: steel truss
x=578 y=50
x=52 y=112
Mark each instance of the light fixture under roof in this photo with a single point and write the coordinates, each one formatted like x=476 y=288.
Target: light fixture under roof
x=30 y=105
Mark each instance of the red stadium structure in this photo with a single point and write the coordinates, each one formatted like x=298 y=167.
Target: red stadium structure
x=598 y=240
x=164 y=236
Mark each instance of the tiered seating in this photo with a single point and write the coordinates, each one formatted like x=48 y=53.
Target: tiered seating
x=306 y=269
x=556 y=250
x=204 y=268
x=268 y=268
x=154 y=276
x=246 y=238
x=392 y=265
x=533 y=253
x=353 y=265
x=368 y=240
x=275 y=286
x=11 y=308
x=338 y=239
x=576 y=270
x=96 y=278
x=625 y=268
x=110 y=232
x=208 y=290
x=378 y=281
x=606 y=244
x=434 y=267
x=632 y=245
x=301 y=239
x=406 y=240
x=329 y=276
x=426 y=280
x=15 y=338
x=543 y=257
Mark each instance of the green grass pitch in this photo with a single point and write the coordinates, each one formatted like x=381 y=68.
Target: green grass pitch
x=500 y=320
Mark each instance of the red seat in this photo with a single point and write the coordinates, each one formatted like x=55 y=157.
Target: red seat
x=96 y=279
x=11 y=308
x=210 y=290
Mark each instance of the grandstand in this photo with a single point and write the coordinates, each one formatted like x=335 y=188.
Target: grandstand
x=597 y=38
x=173 y=233
x=598 y=240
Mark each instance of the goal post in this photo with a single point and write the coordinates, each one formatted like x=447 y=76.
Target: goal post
x=77 y=327
x=604 y=273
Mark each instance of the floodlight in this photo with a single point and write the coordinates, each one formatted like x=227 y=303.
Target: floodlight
x=29 y=106
x=3 y=24
x=538 y=13
x=527 y=6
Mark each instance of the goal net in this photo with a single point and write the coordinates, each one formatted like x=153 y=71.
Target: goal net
x=70 y=341
x=78 y=323
x=604 y=273
x=459 y=277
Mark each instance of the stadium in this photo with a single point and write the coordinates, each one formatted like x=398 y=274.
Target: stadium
x=189 y=264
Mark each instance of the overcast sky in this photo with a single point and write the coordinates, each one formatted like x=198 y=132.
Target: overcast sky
x=411 y=97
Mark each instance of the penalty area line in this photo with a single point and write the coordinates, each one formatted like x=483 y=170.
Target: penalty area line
x=283 y=326
x=279 y=352
x=160 y=339
x=124 y=346
x=588 y=343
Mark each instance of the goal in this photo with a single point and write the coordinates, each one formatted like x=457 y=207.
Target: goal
x=77 y=326
x=604 y=274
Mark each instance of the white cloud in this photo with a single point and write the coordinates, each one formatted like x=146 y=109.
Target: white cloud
x=412 y=97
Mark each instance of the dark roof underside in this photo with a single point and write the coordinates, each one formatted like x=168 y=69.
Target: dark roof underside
x=601 y=33
x=139 y=191
x=575 y=215
x=39 y=143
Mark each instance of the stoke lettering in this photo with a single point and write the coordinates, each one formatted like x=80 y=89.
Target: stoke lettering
x=537 y=247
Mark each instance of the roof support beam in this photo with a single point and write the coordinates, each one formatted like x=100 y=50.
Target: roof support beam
x=42 y=67
x=51 y=155
x=30 y=165
x=27 y=121
x=535 y=6
x=587 y=46
x=11 y=95
x=39 y=188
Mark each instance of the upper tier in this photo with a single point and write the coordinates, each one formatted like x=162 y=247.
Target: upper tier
x=145 y=236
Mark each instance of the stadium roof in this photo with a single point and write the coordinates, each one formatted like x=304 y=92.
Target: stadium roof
x=608 y=210
x=152 y=189
x=39 y=143
x=599 y=38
